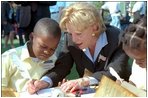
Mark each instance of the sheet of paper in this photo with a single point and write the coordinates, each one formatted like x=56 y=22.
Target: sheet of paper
x=53 y=92
x=50 y=92
x=26 y=94
x=88 y=95
x=45 y=92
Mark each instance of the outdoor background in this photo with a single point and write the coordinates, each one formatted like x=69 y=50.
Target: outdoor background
x=73 y=74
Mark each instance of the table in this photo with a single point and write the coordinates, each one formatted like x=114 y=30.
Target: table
x=9 y=92
x=48 y=92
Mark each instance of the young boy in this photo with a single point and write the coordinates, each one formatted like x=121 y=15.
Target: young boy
x=32 y=60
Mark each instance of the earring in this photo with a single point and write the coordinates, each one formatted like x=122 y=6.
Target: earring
x=93 y=34
x=46 y=52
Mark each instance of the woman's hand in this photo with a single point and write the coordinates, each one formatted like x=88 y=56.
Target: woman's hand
x=70 y=86
x=63 y=81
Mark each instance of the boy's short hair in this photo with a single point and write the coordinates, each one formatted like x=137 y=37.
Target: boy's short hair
x=47 y=26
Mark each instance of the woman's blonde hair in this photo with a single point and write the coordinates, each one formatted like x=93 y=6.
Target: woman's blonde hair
x=81 y=15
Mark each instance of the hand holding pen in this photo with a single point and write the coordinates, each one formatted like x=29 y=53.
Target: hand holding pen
x=35 y=85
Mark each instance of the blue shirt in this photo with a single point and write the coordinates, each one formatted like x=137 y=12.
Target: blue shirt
x=101 y=42
x=56 y=7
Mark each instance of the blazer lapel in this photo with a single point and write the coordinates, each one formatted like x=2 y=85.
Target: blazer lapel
x=87 y=63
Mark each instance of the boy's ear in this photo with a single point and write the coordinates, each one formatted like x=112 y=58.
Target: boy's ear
x=31 y=36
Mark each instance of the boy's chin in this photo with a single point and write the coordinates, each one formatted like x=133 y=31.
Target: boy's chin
x=43 y=58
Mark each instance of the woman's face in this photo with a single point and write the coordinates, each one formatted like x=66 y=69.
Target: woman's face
x=139 y=56
x=82 y=39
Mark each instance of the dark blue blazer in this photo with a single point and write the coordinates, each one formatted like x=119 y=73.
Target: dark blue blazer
x=115 y=57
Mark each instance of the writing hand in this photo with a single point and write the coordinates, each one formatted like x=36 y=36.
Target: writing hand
x=35 y=85
x=31 y=87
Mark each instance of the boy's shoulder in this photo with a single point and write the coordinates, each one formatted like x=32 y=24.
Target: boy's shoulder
x=13 y=51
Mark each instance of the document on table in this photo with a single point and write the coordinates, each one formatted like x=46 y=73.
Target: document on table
x=45 y=92
x=48 y=92
x=51 y=92
x=26 y=94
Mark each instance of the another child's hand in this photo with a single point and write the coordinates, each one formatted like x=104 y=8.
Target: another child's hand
x=35 y=85
x=118 y=82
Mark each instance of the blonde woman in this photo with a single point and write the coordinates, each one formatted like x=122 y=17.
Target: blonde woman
x=97 y=43
x=91 y=45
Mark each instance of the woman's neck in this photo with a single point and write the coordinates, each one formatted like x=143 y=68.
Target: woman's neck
x=92 y=47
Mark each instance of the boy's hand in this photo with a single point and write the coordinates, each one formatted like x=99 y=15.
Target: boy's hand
x=35 y=85
x=31 y=87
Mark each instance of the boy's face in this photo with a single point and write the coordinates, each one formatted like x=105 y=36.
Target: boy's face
x=44 y=46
